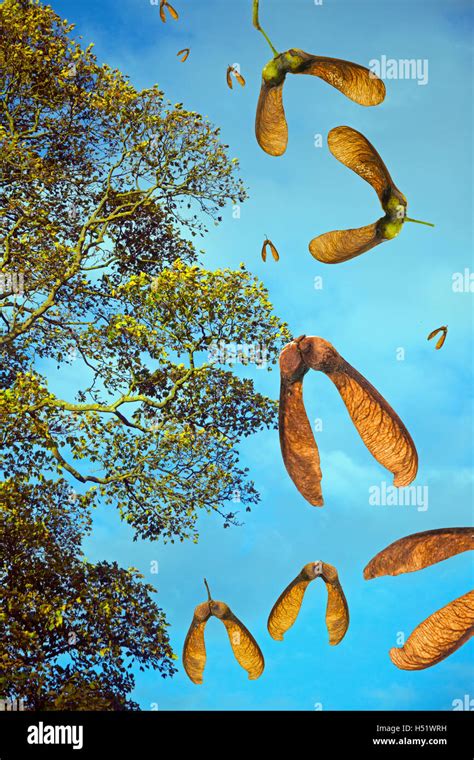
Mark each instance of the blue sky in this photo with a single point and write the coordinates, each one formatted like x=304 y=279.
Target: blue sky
x=368 y=308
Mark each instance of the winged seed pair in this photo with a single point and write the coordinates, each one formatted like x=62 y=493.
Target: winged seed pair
x=437 y=637
x=282 y=616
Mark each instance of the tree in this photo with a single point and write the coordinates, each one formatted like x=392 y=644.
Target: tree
x=71 y=630
x=105 y=191
x=102 y=185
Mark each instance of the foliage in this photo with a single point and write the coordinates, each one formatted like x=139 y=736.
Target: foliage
x=71 y=630
x=105 y=191
x=105 y=187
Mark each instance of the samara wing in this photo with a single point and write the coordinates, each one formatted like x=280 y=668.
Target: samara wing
x=438 y=636
x=343 y=245
x=420 y=550
x=271 y=128
x=353 y=150
x=194 y=650
x=298 y=445
x=337 y=610
x=354 y=81
x=286 y=608
x=246 y=650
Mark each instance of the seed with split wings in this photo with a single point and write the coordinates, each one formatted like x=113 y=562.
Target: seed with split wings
x=233 y=70
x=184 y=53
x=273 y=250
x=353 y=80
x=173 y=13
x=440 y=342
x=438 y=636
x=378 y=425
x=420 y=550
x=353 y=150
x=287 y=607
x=245 y=648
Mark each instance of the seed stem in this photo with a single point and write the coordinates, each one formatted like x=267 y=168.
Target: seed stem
x=256 y=24
x=208 y=591
x=417 y=221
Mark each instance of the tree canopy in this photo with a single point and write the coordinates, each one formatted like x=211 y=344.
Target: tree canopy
x=71 y=629
x=104 y=188
x=105 y=191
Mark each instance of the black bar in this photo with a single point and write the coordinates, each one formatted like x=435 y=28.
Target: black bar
x=136 y=734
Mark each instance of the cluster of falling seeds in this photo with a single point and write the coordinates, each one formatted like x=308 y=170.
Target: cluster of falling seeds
x=378 y=425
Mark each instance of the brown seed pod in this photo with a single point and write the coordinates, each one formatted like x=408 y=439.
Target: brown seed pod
x=444 y=331
x=185 y=53
x=245 y=648
x=438 y=636
x=353 y=150
x=378 y=425
x=239 y=78
x=162 y=11
x=380 y=428
x=273 y=250
x=354 y=81
x=298 y=445
x=420 y=550
x=229 y=77
x=287 y=607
